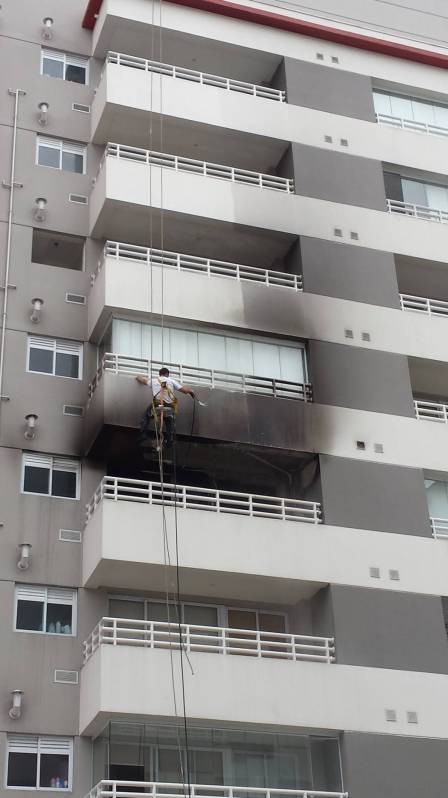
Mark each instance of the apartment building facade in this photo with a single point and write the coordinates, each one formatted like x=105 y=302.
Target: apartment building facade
x=257 y=196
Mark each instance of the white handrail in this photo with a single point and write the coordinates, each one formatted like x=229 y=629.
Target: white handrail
x=164 y=789
x=208 y=639
x=431 y=411
x=197 y=265
x=194 y=76
x=418 y=211
x=419 y=304
x=207 y=378
x=439 y=528
x=203 y=168
x=194 y=498
x=411 y=124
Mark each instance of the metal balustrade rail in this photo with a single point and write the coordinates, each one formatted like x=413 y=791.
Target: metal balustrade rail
x=191 y=263
x=204 y=168
x=208 y=639
x=432 y=307
x=194 y=76
x=165 y=789
x=187 y=497
x=439 y=528
x=417 y=211
x=206 y=378
x=431 y=411
x=410 y=124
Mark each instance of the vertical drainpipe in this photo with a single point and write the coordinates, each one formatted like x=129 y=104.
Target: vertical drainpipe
x=11 y=185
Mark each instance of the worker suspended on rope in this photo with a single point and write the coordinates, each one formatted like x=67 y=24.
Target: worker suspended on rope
x=163 y=408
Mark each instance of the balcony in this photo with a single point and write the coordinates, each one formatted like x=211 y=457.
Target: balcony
x=233 y=543
x=418 y=304
x=143 y=789
x=417 y=211
x=193 y=288
x=235 y=407
x=191 y=638
x=411 y=124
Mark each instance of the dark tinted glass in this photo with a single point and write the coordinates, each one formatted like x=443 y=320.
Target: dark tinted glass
x=63 y=484
x=49 y=156
x=53 y=68
x=67 y=365
x=59 y=619
x=54 y=770
x=76 y=74
x=22 y=770
x=72 y=162
x=41 y=360
x=36 y=480
x=30 y=615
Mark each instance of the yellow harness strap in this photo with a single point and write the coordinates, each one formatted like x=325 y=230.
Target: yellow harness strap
x=164 y=387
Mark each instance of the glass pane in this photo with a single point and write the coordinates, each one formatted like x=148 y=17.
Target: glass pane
x=268 y=622
x=437 y=197
x=207 y=767
x=242 y=619
x=63 y=483
x=326 y=766
x=156 y=611
x=67 y=365
x=423 y=112
x=249 y=770
x=22 y=770
x=53 y=68
x=72 y=162
x=169 y=765
x=413 y=192
x=41 y=360
x=54 y=771
x=212 y=352
x=151 y=344
x=184 y=347
x=36 y=480
x=437 y=497
x=127 y=338
x=30 y=615
x=200 y=616
x=267 y=360
x=291 y=364
x=239 y=356
x=402 y=107
x=49 y=156
x=59 y=619
x=127 y=609
x=281 y=771
x=76 y=74
x=382 y=103
x=441 y=115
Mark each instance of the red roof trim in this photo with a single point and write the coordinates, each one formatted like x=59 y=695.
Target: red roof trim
x=259 y=17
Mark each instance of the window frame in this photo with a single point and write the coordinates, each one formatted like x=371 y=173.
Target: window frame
x=46 y=588
x=55 y=342
x=62 y=145
x=257 y=611
x=67 y=59
x=51 y=468
x=39 y=741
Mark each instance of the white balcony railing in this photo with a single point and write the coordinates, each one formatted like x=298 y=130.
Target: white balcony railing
x=439 y=528
x=417 y=211
x=431 y=411
x=204 y=168
x=419 y=304
x=192 y=75
x=151 y=789
x=191 y=263
x=187 y=497
x=206 y=378
x=410 y=124
x=209 y=639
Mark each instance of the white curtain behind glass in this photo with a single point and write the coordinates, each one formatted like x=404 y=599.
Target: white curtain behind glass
x=437 y=497
x=222 y=353
x=425 y=194
x=411 y=108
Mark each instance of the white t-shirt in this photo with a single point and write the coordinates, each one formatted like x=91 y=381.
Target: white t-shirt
x=156 y=388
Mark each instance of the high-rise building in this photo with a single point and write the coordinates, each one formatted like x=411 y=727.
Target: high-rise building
x=255 y=195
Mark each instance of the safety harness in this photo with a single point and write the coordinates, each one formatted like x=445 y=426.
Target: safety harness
x=157 y=401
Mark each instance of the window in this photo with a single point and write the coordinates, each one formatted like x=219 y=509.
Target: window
x=49 y=610
x=58 y=249
x=58 y=358
x=74 y=68
x=41 y=763
x=45 y=475
x=411 y=108
x=427 y=195
x=58 y=154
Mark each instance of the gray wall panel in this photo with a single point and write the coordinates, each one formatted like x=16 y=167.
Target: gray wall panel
x=385 y=629
x=365 y=379
x=380 y=766
x=374 y=496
